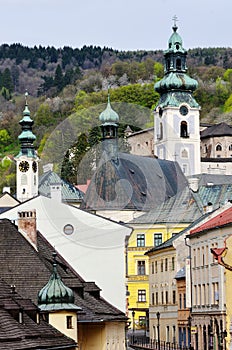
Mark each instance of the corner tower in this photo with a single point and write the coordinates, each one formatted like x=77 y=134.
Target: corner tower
x=26 y=160
x=176 y=117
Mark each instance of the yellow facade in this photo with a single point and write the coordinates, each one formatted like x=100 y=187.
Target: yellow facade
x=65 y=322
x=137 y=266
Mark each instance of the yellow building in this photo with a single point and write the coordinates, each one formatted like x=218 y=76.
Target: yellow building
x=149 y=231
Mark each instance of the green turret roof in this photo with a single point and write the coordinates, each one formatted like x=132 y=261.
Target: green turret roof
x=109 y=116
x=176 y=86
x=55 y=295
x=26 y=138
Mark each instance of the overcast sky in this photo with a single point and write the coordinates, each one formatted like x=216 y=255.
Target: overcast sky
x=120 y=24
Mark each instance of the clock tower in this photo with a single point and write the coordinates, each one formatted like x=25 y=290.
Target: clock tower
x=26 y=160
x=176 y=118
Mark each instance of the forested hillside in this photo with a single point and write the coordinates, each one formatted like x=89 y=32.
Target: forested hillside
x=64 y=81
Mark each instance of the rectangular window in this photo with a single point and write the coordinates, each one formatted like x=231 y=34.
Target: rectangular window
x=162 y=298
x=161 y=265
x=152 y=267
x=142 y=321
x=141 y=240
x=173 y=263
x=141 y=295
x=173 y=296
x=156 y=267
x=180 y=301
x=157 y=298
x=184 y=295
x=166 y=293
x=69 y=322
x=166 y=264
x=141 y=267
x=157 y=239
x=152 y=299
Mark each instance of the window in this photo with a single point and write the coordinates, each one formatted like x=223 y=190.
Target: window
x=141 y=240
x=166 y=295
x=166 y=264
x=142 y=321
x=162 y=265
x=173 y=263
x=69 y=322
x=157 y=239
x=162 y=298
x=184 y=153
x=230 y=147
x=141 y=267
x=141 y=295
x=184 y=295
x=218 y=147
x=156 y=298
x=173 y=296
x=152 y=267
x=184 y=129
x=180 y=301
x=178 y=61
x=152 y=299
x=156 y=267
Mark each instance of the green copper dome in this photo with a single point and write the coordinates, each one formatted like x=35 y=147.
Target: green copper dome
x=109 y=116
x=176 y=85
x=55 y=295
x=26 y=138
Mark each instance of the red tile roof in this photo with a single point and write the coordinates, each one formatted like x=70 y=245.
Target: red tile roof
x=221 y=219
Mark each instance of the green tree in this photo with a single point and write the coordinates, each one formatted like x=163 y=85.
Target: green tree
x=7 y=81
x=58 y=79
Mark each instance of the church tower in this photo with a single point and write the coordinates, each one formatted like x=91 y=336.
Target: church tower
x=176 y=118
x=109 y=125
x=26 y=160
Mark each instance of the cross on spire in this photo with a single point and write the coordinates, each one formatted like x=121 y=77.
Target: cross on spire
x=175 y=20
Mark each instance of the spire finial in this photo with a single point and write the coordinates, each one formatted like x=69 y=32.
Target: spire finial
x=175 y=20
x=26 y=94
x=108 y=92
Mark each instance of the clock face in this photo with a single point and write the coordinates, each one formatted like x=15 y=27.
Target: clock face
x=23 y=166
x=183 y=110
x=34 y=166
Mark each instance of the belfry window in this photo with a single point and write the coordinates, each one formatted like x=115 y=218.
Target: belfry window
x=184 y=129
x=178 y=64
x=218 y=147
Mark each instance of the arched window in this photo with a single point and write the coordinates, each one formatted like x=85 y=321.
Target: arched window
x=168 y=65
x=218 y=147
x=161 y=131
x=184 y=153
x=184 y=129
x=230 y=147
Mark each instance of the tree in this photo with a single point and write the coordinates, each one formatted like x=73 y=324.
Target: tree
x=7 y=80
x=58 y=79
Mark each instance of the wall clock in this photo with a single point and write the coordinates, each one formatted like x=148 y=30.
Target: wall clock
x=23 y=166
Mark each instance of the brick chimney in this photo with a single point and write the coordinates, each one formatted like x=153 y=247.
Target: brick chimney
x=27 y=225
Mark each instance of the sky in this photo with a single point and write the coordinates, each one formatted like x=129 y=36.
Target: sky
x=121 y=24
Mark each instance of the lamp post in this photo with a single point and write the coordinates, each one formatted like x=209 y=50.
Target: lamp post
x=133 y=325
x=189 y=332
x=158 y=328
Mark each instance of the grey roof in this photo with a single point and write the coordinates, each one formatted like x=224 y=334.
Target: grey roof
x=180 y=274
x=69 y=192
x=180 y=208
x=133 y=182
x=187 y=206
x=221 y=129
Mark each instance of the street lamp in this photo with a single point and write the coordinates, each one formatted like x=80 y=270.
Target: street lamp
x=158 y=328
x=133 y=328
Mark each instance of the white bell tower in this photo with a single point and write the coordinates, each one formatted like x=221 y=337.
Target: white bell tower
x=27 y=159
x=176 y=118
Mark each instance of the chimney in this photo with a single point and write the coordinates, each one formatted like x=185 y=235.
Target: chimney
x=193 y=183
x=27 y=224
x=55 y=190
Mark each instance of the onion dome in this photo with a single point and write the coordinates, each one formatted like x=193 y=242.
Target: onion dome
x=26 y=138
x=176 y=85
x=109 y=116
x=55 y=295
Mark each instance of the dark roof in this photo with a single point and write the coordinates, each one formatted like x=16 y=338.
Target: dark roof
x=133 y=182
x=29 y=270
x=221 y=129
x=181 y=274
x=28 y=334
x=68 y=191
